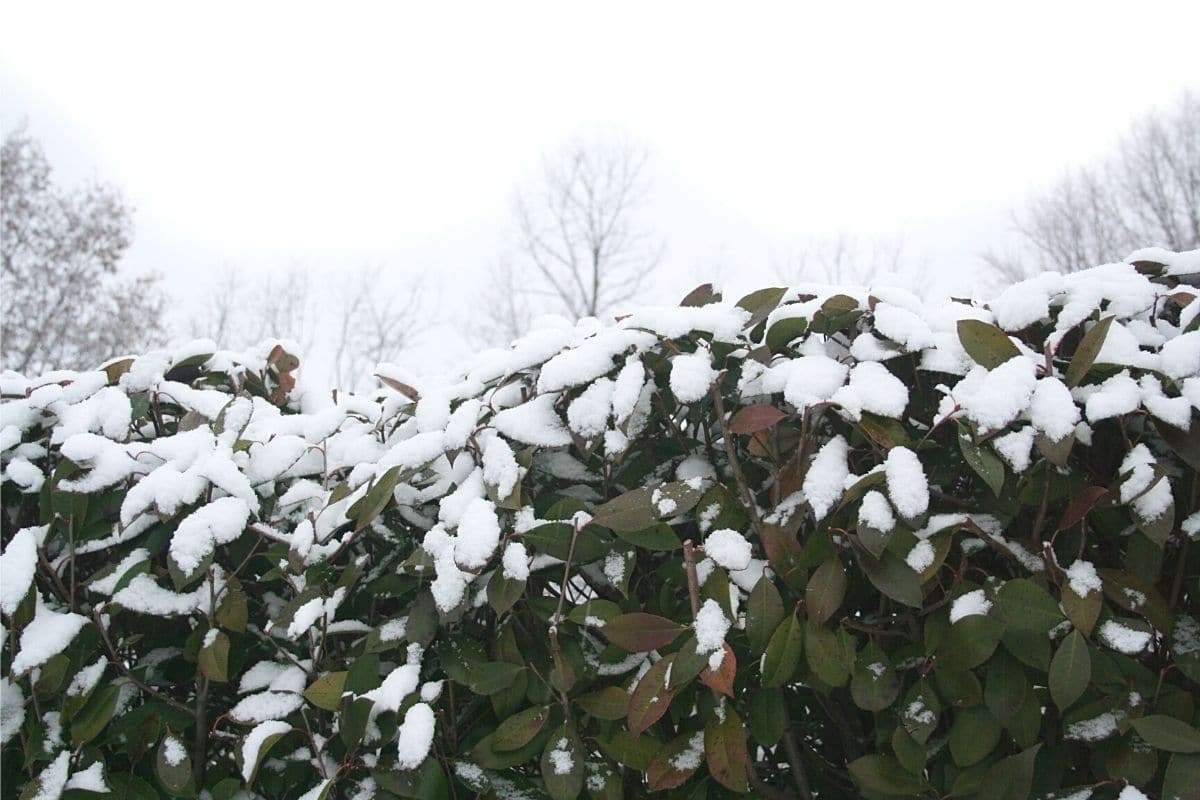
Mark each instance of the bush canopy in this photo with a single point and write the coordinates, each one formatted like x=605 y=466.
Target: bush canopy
x=816 y=543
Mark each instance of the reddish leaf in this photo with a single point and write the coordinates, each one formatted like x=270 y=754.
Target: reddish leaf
x=1081 y=504
x=722 y=679
x=651 y=698
x=664 y=771
x=702 y=295
x=753 y=419
x=640 y=632
x=725 y=751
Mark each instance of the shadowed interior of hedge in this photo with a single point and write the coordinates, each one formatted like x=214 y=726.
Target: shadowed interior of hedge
x=815 y=543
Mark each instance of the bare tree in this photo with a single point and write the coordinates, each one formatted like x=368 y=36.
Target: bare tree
x=1147 y=192
x=240 y=311
x=64 y=303
x=849 y=259
x=580 y=250
x=373 y=323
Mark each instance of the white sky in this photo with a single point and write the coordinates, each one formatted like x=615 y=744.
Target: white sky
x=260 y=134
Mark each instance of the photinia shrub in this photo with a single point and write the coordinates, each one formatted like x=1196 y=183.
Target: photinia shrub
x=813 y=544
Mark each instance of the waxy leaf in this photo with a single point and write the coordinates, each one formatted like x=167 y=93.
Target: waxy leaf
x=1070 y=670
x=986 y=344
x=640 y=632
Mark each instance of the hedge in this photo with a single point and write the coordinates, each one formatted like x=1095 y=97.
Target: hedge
x=816 y=543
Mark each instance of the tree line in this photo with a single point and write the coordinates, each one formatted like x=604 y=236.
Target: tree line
x=580 y=246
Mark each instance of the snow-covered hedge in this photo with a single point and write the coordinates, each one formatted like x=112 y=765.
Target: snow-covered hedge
x=815 y=544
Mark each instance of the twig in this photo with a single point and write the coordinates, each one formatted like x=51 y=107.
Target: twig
x=116 y=660
x=796 y=762
x=734 y=464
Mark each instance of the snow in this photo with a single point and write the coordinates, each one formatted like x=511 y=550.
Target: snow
x=533 y=422
x=1175 y=411
x=515 y=562
x=24 y=475
x=591 y=359
x=415 y=737
x=711 y=626
x=727 y=548
x=173 y=751
x=1016 y=448
x=692 y=375
x=254 y=741
x=724 y=322
x=825 y=479
x=478 y=535
x=560 y=757
x=89 y=780
x=813 y=379
x=500 y=468
x=906 y=482
x=1093 y=729
x=1180 y=357
x=431 y=691
x=18 y=565
x=1150 y=499
x=614 y=568
x=12 y=709
x=48 y=634
x=874 y=389
x=265 y=706
x=902 y=326
x=876 y=512
x=692 y=756
x=1118 y=395
x=1191 y=525
x=627 y=389
x=921 y=557
x=1124 y=639
x=970 y=604
x=219 y=522
x=588 y=413
x=1083 y=578
x=994 y=398
x=53 y=778
x=86 y=679
x=1131 y=792
x=145 y=596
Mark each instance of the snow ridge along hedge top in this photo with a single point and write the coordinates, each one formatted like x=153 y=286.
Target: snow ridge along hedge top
x=814 y=544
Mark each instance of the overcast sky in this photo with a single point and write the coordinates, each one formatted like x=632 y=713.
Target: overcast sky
x=259 y=135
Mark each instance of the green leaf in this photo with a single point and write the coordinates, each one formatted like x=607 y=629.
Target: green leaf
x=640 y=632
x=562 y=764
x=213 y=658
x=1070 y=670
x=970 y=642
x=1086 y=352
x=642 y=507
x=519 y=729
x=825 y=591
x=1167 y=733
x=173 y=765
x=492 y=676
x=659 y=538
x=611 y=702
x=986 y=344
x=761 y=303
x=1011 y=778
x=376 y=499
x=503 y=593
x=826 y=653
x=974 y=735
x=1182 y=779
x=874 y=685
x=764 y=611
x=92 y=719
x=892 y=576
x=881 y=774
x=232 y=613
x=987 y=465
x=725 y=750
x=783 y=653
x=1006 y=686
x=784 y=331
x=767 y=717
x=326 y=691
